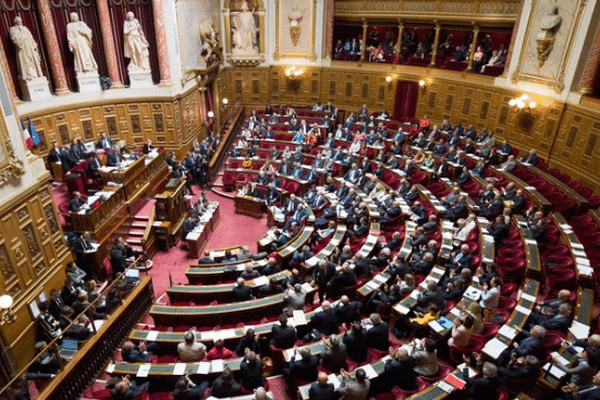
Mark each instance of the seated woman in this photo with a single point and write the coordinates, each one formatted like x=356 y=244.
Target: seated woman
x=461 y=331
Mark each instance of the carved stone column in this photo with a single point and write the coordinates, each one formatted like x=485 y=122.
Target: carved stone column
x=399 y=41
x=329 y=21
x=513 y=37
x=436 y=42
x=109 y=44
x=364 y=40
x=56 y=64
x=7 y=74
x=592 y=66
x=473 y=47
x=161 y=43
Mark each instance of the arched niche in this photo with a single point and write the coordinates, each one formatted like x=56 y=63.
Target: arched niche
x=232 y=9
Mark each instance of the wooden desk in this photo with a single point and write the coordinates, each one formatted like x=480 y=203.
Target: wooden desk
x=212 y=273
x=197 y=239
x=534 y=265
x=585 y=273
x=220 y=313
x=583 y=203
x=221 y=292
x=531 y=191
x=91 y=358
x=247 y=205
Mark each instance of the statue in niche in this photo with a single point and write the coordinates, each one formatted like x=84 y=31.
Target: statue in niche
x=135 y=44
x=28 y=56
x=244 y=31
x=545 y=39
x=79 y=36
x=210 y=43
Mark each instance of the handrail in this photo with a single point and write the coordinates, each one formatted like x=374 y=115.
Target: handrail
x=228 y=130
x=149 y=226
x=53 y=346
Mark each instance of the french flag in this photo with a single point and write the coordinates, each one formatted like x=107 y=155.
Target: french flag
x=28 y=140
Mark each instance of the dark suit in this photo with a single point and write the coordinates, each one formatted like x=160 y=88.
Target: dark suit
x=378 y=337
x=321 y=392
x=105 y=143
x=400 y=374
x=326 y=322
x=242 y=293
x=303 y=369
x=113 y=159
x=251 y=373
x=347 y=313
x=481 y=388
x=283 y=338
x=93 y=165
x=75 y=204
x=272 y=196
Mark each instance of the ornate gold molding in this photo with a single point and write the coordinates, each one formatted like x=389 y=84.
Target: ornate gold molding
x=311 y=54
x=11 y=167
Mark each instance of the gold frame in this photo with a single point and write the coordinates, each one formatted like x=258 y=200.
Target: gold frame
x=557 y=82
x=11 y=167
x=311 y=54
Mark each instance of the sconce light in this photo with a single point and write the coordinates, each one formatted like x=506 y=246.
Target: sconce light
x=523 y=103
x=422 y=85
x=5 y=303
x=225 y=101
x=388 y=78
x=294 y=72
x=211 y=114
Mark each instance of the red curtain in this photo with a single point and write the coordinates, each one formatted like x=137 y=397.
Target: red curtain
x=142 y=9
x=26 y=9
x=407 y=94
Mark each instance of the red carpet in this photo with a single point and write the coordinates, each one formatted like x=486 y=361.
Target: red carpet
x=233 y=229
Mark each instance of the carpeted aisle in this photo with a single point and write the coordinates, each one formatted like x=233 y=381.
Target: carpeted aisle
x=233 y=229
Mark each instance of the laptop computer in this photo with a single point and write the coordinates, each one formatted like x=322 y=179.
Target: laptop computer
x=68 y=349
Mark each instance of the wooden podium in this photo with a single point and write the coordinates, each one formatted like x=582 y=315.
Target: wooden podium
x=171 y=208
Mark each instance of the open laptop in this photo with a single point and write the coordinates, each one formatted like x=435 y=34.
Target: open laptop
x=68 y=349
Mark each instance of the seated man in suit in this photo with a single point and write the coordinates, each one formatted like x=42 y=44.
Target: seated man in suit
x=303 y=368
x=272 y=195
x=189 y=225
x=186 y=389
x=241 y=292
x=378 y=334
x=114 y=158
x=77 y=203
x=105 y=143
x=322 y=389
x=533 y=343
x=93 y=166
x=531 y=158
x=456 y=210
x=460 y=259
x=326 y=321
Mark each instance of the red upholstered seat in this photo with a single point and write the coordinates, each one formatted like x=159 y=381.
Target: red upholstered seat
x=444 y=371
x=561 y=279
x=507 y=303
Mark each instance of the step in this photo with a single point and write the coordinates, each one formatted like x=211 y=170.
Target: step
x=141 y=217
x=136 y=232
x=134 y=240
x=139 y=224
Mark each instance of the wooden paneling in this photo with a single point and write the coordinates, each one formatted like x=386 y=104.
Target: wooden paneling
x=172 y=124
x=33 y=253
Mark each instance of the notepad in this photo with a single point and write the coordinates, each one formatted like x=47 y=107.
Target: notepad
x=371 y=373
x=332 y=378
x=494 y=347
x=445 y=386
x=554 y=371
x=401 y=309
x=579 y=330
x=523 y=310
x=556 y=356
x=203 y=368
x=179 y=369
x=143 y=371
x=152 y=335
x=528 y=297
x=110 y=368
x=217 y=365
x=299 y=317
x=507 y=331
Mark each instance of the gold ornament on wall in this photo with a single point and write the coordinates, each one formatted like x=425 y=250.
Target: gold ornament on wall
x=295 y=17
x=545 y=39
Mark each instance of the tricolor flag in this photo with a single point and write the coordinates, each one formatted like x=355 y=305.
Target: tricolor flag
x=34 y=135
x=28 y=141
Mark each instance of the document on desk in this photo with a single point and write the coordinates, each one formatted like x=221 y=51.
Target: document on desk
x=371 y=373
x=579 y=330
x=261 y=281
x=523 y=310
x=299 y=317
x=217 y=366
x=507 y=331
x=179 y=369
x=143 y=371
x=556 y=356
x=494 y=347
x=203 y=368
x=554 y=371
x=332 y=378
x=110 y=368
x=151 y=336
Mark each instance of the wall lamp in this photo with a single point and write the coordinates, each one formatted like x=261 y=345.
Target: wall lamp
x=422 y=85
x=5 y=303
x=523 y=103
x=294 y=72
x=211 y=114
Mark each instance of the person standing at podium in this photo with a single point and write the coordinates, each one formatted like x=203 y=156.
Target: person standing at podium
x=85 y=255
x=115 y=158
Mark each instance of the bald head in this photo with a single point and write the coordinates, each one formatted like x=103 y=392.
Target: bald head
x=322 y=379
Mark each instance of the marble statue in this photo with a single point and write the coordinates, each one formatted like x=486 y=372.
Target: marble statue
x=551 y=21
x=135 y=43
x=244 y=31
x=28 y=56
x=210 y=42
x=79 y=36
